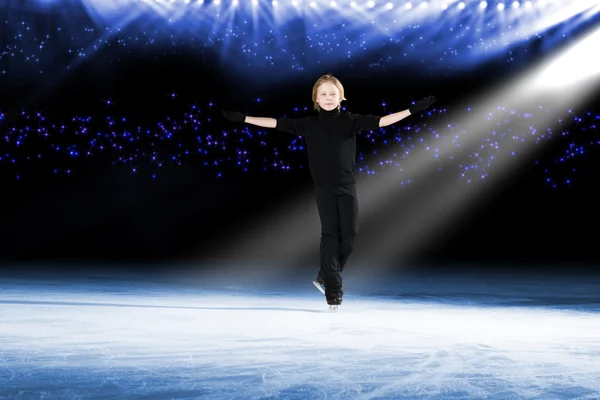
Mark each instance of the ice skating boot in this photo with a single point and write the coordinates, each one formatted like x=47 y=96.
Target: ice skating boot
x=334 y=301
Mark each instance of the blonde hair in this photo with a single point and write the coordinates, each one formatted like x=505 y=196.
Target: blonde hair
x=328 y=78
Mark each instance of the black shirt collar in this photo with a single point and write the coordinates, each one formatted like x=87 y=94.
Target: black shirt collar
x=328 y=114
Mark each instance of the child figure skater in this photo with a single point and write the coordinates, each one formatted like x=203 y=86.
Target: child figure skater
x=331 y=144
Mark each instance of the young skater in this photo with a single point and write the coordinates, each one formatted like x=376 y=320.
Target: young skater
x=331 y=145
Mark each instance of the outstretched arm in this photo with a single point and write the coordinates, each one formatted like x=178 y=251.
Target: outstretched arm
x=235 y=116
x=393 y=118
x=415 y=108
x=260 y=121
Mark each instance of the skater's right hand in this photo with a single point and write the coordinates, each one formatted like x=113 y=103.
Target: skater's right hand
x=234 y=116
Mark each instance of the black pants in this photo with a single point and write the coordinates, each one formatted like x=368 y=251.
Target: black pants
x=338 y=211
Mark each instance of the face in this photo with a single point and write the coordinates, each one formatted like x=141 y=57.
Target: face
x=328 y=96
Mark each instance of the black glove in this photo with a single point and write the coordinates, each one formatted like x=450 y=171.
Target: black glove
x=234 y=116
x=421 y=104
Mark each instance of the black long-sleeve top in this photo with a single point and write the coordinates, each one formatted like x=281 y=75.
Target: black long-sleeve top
x=331 y=143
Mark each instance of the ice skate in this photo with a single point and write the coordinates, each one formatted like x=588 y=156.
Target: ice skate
x=319 y=287
x=334 y=302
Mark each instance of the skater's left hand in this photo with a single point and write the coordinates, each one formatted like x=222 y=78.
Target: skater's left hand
x=422 y=104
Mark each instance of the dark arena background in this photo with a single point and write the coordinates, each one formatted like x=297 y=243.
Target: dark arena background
x=152 y=249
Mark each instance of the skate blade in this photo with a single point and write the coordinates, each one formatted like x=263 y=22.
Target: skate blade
x=318 y=286
x=333 y=308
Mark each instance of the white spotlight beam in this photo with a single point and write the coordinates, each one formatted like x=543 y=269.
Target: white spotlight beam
x=268 y=249
x=572 y=70
x=548 y=83
x=404 y=228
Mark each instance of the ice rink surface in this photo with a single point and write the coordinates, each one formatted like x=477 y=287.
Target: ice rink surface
x=418 y=338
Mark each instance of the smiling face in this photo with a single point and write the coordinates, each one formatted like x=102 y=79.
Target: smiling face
x=327 y=93
x=328 y=96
